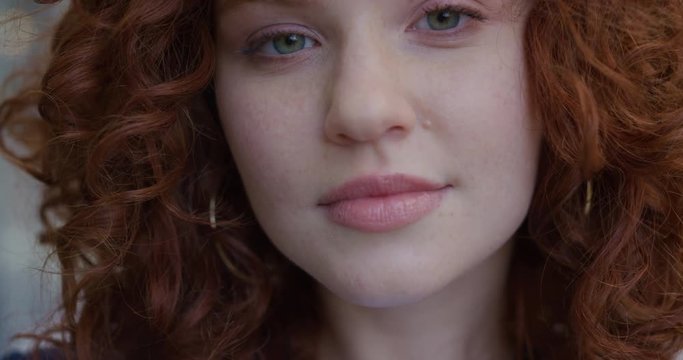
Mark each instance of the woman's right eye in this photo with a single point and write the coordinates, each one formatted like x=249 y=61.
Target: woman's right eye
x=279 y=43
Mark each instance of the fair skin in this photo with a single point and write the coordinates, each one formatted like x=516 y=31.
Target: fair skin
x=373 y=88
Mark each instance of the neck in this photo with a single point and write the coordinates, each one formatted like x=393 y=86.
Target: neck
x=462 y=321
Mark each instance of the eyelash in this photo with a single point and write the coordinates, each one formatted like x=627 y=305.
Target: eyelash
x=444 y=5
x=251 y=49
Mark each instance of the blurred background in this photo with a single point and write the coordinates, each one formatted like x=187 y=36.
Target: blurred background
x=26 y=293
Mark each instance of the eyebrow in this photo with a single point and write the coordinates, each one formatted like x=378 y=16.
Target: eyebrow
x=225 y=5
x=231 y=4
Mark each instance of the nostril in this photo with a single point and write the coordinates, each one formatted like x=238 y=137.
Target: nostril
x=343 y=138
x=395 y=131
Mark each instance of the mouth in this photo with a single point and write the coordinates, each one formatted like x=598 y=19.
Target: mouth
x=382 y=203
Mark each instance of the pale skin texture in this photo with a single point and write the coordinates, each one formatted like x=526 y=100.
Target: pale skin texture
x=375 y=92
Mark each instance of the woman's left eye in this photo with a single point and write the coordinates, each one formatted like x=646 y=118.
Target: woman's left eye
x=446 y=17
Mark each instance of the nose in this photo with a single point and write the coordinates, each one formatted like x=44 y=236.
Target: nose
x=367 y=103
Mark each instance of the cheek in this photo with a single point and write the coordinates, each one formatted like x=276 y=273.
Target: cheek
x=503 y=144
x=484 y=116
x=484 y=129
x=268 y=137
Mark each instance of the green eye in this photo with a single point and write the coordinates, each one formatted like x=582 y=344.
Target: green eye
x=443 y=19
x=289 y=43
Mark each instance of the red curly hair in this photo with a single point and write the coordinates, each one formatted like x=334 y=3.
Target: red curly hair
x=127 y=140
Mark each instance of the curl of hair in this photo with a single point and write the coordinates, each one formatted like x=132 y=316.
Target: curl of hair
x=606 y=81
x=131 y=153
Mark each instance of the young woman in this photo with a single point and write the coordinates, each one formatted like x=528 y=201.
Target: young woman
x=322 y=179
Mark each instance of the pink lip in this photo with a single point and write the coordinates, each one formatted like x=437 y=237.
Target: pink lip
x=382 y=203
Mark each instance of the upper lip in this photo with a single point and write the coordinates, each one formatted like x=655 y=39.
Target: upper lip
x=378 y=185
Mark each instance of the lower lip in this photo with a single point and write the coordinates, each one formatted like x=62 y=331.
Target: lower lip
x=387 y=213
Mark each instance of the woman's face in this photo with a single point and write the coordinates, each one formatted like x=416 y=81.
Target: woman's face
x=386 y=146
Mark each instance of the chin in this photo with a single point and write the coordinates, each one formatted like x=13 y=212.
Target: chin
x=391 y=281
x=376 y=290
